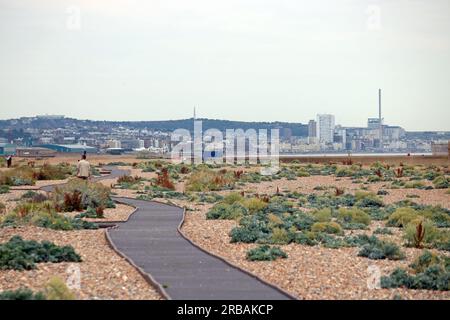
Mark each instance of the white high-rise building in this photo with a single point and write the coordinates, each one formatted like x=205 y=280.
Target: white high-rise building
x=325 y=128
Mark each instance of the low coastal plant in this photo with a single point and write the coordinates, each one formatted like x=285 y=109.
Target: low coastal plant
x=420 y=232
x=205 y=197
x=381 y=250
x=129 y=182
x=4 y=189
x=78 y=195
x=21 y=294
x=163 y=180
x=19 y=254
x=353 y=216
x=27 y=175
x=55 y=289
x=97 y=213
x=327 y=227
x=43 y=215
x=266 y=253
x=441 y=182
x=383 y=231
x=428 y=272
x=19 y=176
x=367 y=200
x=53 y=172
x=402 y=216
x=226 y=211
x=234 y=205
x=204 y=179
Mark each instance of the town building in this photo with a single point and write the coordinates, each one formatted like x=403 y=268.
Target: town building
x=325 y=128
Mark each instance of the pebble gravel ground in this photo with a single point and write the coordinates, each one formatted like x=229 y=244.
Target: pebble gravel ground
x=103 y=273
x=309 y=272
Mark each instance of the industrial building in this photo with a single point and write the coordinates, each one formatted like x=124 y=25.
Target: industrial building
x=70 y=148
x=7 y=149
x=35 y=152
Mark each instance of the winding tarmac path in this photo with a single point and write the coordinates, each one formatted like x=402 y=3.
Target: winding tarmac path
x=151 y=240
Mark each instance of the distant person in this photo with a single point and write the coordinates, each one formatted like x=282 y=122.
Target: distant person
x=9 y=161
x=83 y=168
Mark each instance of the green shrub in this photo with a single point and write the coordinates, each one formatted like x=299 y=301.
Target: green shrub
x=209 y=180
x=414 y=185
x=303 y=221
x=280 y=236
x=301 y=172
x=225 y=211
x=56 y=289
x=2 y=208
x=376 y=213
x=306 y=238
x=323 y=215
x=91 y=213
x=233 y=198
x=382 y=192
x=386 y=231
x=329 y=241
x=327 y=227
x=4 y=189
x=254 y=205
x=425 y=260
x=20 y=176
x=381 y=250
x=21 y=294
x=53 y=172
x=430 y=272
x=441 y=182
x=361 y=240
x=367 y=200
x=431 y=233
x=43 y=215
x=92 y=194
x=129 y=182
x=401 y=217
x=19 y=254
x=353 y=215
x=210 y=197
x=265 y=253
x=252 y=228
x=344 y=172
x=154 y=192
x=373 y=178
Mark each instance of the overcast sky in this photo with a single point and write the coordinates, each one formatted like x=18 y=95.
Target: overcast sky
x=248 y=60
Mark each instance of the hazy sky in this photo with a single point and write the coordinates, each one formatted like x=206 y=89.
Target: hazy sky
x=246 y=60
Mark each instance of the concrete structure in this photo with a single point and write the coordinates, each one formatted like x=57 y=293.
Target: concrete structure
x=312 y=129
x=373 y=123
x=114 y=144
x=325 y=128
x=440 y=148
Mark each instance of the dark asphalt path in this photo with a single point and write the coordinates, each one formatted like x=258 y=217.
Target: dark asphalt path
x=151 y=240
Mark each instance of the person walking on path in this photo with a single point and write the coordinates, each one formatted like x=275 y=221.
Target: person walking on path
x=83 y=168
x=9 y=161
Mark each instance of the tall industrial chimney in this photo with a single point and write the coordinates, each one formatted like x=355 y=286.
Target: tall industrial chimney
x=380 y=119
